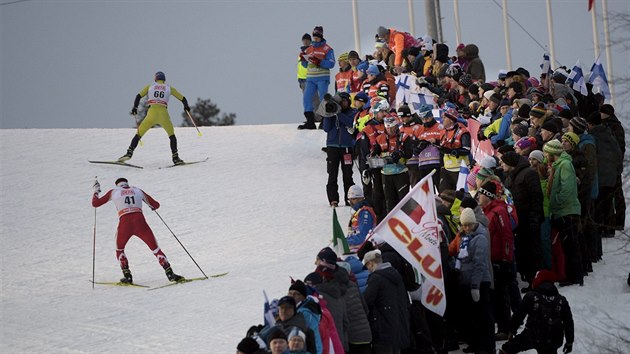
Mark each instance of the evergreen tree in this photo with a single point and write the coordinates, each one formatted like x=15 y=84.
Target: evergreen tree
x=206 y=113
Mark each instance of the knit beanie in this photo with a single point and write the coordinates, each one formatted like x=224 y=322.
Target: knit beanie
x=525 y=142
x=468 y=202
x=543 y=276
x=553 y=147
x=382 y=32
x=353 y=55
x=300 y=287
x=314 y=278
x=538 y=111
x=578 y=124
x=484 y=173
x=448 y=195
x=537 y=155
x=607 y=109
x=505 y=148
x=520 y=130
x=307 y=36
x=327 y=255
x=465 y=80
x=488 y=162
x=516 y=86
x=276 y=333
x=489 y=189
x=572 y=138
x=566 y=114
x=373 y=70
x=296 y=332
x=318 y=31
x=495 y=97
x=550 y=126
x=523 y=110
x=467 y=217
x=343 y=57
x=474 y=89
x=511 y=158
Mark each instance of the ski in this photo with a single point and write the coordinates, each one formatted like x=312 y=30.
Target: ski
x=116 y=163
x=186 y=163
x=119 y=284
x=188 y=280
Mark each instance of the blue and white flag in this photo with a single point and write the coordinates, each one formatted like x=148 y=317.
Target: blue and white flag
x=416 y=99
x=461 y=179
x=546 y=65
x=576 y=79
x=269 y=318
x=598 y=80
x=405 y=83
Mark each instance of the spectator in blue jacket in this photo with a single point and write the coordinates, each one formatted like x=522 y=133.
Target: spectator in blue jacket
x=363 y=219
x=338 y=117
x=309 y=308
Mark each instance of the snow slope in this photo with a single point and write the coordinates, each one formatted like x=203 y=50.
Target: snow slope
x=257 y=209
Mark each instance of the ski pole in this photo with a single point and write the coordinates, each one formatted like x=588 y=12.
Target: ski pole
x=94 y=247
x=193 y=122
x=169 y=229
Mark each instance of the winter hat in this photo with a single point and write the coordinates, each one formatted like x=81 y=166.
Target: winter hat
x=288 y=300
x=361 y=97
x=505 y=148
x=343 y=57
x=296 y=332
x=468 y=202
x=327 y=255
x=379 y=44
x=425 y=111
x=467 y=217
x=607 y=109
x=494 y=97
x=511 y=158
x=566 y=114
x=299 y=286
x=520 y=130
x=488 y=162
x=122 y=182
x=404 y=111
x=390 y=122
x=448 y=195
x=486 y=87
x=307 y=36
x=578 y=124
x=474 y=89
x=382 y=32
x=550 y=126
x=248 y=345
x=355 y=192
x=484 y=173
x=522 y=71
x=370 y=256
x=594 y=118
x=465 y=80
x=313 y=278
x=353 y=55
x=543 y=276
x=318 y=31
x=489 y=189
x=372 y=70
x=450 y=114
x=572 y=138
x=524 y=111
x=511 y=74
x=276 y=333
x=537 y=155
x=516 y=86
x=471 y=179
x=553 y=147
x=160 y=76
x=525 y=142
x=538 y=111
x=502 y=74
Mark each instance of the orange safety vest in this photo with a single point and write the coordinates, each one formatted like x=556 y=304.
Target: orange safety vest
x=343 y=81
x=451 y=139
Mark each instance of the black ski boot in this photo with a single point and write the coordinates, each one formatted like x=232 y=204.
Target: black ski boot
x=127 y=277
x=172 y=276
x=177 y=160
x=126 y=156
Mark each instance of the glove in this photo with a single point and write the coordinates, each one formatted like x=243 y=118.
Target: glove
x=568 y=347
x=475 y=295
x=134 y=111
x=96 y=187
x=187 y=108
x=366 y=176
x=314 y=60
x=395 y=156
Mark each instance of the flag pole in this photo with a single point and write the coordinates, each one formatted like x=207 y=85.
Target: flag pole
x=458 y=28
x=595 y=32
x=506 y=31
x=412 y=27
x=552 y=48
x=355 y=24
x=607 y=47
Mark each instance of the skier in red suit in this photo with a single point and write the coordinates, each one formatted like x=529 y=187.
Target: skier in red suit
x=128 y=201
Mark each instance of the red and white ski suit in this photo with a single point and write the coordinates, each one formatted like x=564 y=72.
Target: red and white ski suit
x=128 y=201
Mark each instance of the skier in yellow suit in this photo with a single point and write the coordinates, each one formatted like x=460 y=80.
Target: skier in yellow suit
x=159 y=93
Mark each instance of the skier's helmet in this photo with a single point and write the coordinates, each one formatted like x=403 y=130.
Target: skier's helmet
x=160 y=76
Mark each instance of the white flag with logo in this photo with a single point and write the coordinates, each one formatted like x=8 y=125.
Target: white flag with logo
x=413 y=230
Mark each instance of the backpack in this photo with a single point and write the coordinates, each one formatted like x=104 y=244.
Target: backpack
x=546 y=317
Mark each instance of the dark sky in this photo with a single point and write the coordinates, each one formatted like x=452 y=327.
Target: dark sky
x=79 y=64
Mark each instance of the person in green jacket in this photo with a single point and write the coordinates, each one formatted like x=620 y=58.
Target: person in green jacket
x=158 y=94
x=564 y=208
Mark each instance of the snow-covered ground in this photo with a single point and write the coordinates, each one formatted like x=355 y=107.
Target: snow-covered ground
x=257 y=209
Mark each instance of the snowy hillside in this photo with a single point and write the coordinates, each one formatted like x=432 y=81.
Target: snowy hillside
x=257 y=209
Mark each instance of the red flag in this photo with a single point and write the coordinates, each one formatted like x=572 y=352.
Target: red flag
x=590 y=4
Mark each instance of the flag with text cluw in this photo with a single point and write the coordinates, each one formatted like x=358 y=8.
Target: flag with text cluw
x=412 y=229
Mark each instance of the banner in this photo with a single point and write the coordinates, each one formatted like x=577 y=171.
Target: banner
x=479 y=149
x=413 y=230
